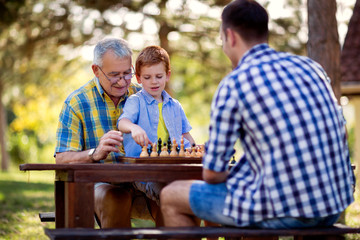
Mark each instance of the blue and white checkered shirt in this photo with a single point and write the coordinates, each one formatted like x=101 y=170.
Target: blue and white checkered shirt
x=296 y=160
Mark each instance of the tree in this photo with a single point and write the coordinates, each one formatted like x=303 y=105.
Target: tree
x=9 y=13
x=31 y=38
x=323 y=44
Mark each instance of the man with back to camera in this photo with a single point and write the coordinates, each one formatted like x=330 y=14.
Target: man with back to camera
x=295 y=171
x=87 y=127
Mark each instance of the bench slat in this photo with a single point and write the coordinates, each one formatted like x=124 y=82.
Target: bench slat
x=47 y=216
x=196 y=232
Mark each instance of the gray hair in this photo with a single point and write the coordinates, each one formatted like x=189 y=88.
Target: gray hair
x=118 y=46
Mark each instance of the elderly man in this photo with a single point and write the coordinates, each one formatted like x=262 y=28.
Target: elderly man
x=296 y=171
x=87 y=127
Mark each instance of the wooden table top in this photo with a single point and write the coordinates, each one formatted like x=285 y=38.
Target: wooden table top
x=95 y=172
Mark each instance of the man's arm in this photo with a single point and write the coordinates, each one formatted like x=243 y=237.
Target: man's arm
x=107 y=144
x=73 y=157
x=213 y=177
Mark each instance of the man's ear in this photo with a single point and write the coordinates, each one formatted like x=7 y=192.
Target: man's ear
x=95 y=69
x=138 y=78
x=231 y=37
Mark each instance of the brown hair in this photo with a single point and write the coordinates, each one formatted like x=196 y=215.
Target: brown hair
x=248 y=18
x=150 y=56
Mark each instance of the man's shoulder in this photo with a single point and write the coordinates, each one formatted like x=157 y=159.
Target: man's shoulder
x=134 y=88
x=81 y=93
x=265 y=57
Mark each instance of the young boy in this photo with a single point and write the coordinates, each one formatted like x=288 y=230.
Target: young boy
x=151 y=113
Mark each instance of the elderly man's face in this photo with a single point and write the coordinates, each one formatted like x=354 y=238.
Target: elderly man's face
x=114 y=68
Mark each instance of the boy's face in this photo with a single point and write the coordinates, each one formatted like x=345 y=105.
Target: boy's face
x=153 y=79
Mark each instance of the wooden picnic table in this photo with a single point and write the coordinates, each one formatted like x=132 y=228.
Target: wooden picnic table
x=74 y=183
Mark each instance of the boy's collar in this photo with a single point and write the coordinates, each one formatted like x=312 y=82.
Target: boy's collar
x=149 y=99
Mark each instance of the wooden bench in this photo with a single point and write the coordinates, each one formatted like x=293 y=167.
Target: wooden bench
x=328 y=233
x=50 y=217
x=47 y=217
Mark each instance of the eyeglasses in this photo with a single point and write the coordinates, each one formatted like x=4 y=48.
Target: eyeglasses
x=126 y=77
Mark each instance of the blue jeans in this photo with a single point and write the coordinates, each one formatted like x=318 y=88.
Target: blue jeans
x=207 y=202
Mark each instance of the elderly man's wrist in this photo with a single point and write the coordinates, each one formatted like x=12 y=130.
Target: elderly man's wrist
x=91 y=154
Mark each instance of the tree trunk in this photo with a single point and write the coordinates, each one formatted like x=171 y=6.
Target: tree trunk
x=323 y=45
x=4 y=154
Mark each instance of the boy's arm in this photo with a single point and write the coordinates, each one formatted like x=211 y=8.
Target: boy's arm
x=189 y=138
x=137 y=133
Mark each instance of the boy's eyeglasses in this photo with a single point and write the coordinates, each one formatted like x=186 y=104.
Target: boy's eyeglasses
x=116 y=79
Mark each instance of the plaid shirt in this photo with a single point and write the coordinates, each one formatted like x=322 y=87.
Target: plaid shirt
x=296 y=160
x=87 y=114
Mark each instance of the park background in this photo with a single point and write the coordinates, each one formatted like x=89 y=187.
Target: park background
x=46 y=51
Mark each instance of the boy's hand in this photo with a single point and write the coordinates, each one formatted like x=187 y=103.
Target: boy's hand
x=139 y=136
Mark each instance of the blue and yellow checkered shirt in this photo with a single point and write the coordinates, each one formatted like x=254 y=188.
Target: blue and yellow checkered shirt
x=87 y=114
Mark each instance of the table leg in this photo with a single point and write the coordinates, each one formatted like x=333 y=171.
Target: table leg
x=79 y=205
x=59 y=204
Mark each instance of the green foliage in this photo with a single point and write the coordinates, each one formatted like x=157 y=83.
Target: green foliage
x=35 y=113
x=194 y=82
x=289 y=34
x=40 y=64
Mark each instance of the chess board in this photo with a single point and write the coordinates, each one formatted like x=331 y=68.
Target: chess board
x=161 y=160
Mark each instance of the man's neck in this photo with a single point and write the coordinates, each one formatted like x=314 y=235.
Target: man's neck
x=115 y=100
x=243 y=48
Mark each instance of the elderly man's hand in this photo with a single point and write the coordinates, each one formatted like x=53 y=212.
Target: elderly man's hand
x=110 y=142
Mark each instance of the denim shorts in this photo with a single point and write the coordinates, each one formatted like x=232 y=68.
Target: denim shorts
x=207 y=202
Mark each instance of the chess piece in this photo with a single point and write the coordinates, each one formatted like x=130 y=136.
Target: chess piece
x=149 y=150
x=173 y=152
x=164 y=152
x=193 y=151
x=154 y=152
x=159 y=146
x=182 y=151
x=187 y=153
x=233 y=161
x=169 y=145
x=144 y=152
x=202 y=149
x=198 y=152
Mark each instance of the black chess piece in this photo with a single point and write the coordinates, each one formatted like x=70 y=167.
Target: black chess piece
x=233 y=161
x=159 y=145
x=149 y=149
x=169 y=145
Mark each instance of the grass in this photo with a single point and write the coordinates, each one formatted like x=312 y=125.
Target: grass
x=24 y=195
